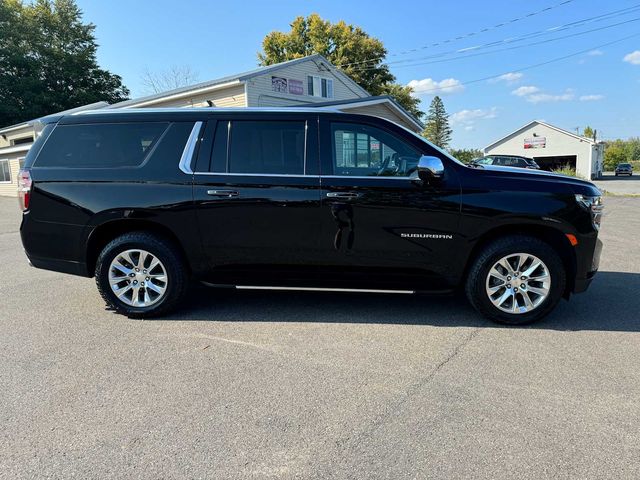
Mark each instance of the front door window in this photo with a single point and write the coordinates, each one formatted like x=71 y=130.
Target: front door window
x=362 y=150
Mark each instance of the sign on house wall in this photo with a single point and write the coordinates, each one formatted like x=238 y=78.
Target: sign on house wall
x=295 y=87
x=279 y=84
x=287 y=85
x=535 y=142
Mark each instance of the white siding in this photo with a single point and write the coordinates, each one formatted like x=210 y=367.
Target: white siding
x=557 y=144
x=6 y=138
x=232 y=96
x=261 y=94
x=10 y=189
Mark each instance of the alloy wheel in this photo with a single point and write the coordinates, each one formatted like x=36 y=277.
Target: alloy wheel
x=138 y=278
x=518 y=283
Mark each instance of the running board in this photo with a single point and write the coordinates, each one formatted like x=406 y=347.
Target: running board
x=308 y=289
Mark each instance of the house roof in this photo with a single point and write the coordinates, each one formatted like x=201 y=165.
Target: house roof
x=361 y=102
x=15 y=148
x=91 y=106
x=236 y=79
x=539 y=122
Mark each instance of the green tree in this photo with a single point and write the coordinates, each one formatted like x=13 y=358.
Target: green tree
x=48 y=61
x=437 y=129
x=347 y=46
x=465 y=155
x=588 y=132
x=614 y=155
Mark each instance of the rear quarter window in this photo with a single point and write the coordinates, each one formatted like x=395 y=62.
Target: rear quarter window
x=100 y=145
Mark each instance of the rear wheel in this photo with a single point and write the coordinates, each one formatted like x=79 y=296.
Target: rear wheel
x=516 y=280
x=141 y=275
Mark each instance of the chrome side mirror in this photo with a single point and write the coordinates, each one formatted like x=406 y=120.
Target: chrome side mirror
x=430 y=168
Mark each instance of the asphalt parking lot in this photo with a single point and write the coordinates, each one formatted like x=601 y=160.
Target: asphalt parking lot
x=257 y=384
x=622 y=185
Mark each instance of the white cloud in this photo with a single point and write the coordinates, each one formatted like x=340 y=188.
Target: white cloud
x=591 y=98
x=595 y=53
x=468 y=117
x=525 y=90
x=509 y=78
x=429 y=86
x=469 y=128
x=547 y=97
x=633 y=58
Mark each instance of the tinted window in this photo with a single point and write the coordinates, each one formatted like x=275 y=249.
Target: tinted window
x=219 y=152
x=262 y=147
x=100 y=145
x=510 y=162
x=362 y=150
x=483 y=161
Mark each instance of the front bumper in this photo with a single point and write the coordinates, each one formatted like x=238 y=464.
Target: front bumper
x=583 y=280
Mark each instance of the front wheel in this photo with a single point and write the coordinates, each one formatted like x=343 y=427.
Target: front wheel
x=516 y=280
x=141 y=275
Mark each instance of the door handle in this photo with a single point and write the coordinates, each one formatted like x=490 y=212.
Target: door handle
x=223 y=193
x=344 y=195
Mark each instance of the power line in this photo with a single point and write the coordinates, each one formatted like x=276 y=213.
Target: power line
x=551 y=30
x=462 y=57
x=483 y=30
x=536 y=65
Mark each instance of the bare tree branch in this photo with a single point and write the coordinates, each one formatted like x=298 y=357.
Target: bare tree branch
x=173 y=77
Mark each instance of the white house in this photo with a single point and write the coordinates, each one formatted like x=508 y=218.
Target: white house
x=552 y=147
x=309 y=81
x=303 y=82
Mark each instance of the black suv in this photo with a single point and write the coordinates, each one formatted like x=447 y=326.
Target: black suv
x=146 y=200
x=624 y=169
x=507 y=161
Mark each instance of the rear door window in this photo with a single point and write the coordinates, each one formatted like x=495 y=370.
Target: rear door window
x=259 y=147
x=100 y=145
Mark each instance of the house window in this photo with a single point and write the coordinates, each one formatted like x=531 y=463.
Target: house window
x=320 y=87
x=22 y=141
x=5 y=171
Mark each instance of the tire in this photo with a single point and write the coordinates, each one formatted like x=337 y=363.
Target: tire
x=479 y=280
x=174 y=284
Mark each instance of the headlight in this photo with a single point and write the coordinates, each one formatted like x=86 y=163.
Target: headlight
x=594 y=205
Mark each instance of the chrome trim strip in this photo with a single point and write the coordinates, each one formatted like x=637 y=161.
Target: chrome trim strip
x=296 y=175
x=304 y=162
x=189 y=149
x=311 y=289
x=368 y=177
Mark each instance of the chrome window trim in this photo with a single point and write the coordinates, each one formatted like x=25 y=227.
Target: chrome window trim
x=306 y=147
x=378 y=177
x=299 y=176
x=189 y=149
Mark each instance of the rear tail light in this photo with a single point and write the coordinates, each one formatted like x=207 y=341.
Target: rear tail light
x=24 y=189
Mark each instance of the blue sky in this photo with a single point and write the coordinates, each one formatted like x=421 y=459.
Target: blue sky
x=598 y=88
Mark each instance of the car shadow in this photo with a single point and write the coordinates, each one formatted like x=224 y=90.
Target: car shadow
x=612 y=303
